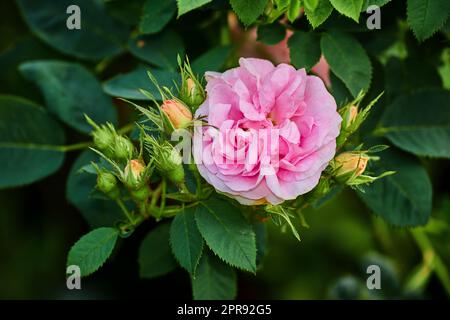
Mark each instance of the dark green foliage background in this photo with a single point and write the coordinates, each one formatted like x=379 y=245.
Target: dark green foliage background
x=71 y=73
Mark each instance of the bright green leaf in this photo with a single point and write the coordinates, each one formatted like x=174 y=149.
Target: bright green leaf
x=155 y=256
x=271 y=33
x=420 y=123
x=156 y=14
x=160 y=49
x=79 y=192
x=29 y=142
x=318 y=16
x=185 y=6
x=227 y=233
x=348 y=60
x=127 y=85
x=70 y=92
x=311 y=4
x=214 y=280
x=404 y=198
x=379 y=3
x=248 y=11
x=425 y=17
x=293 y=10
x=349 y=8
x=92 y=250
x=305 y=49
x=186 y=241
x=212 y=60
x=99 y=36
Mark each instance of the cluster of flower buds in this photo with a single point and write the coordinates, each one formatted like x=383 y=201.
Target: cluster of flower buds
x=110 y=143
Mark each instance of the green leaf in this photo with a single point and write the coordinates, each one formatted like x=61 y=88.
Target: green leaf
x=127 y=85
x=27 y=48
x=349 y=8
x=70 y=91
x=212 y=60
x=124 y=11
x=227 y=233
x=214 y=280
x=156 y=14
x=420 y=123
x=404 y=198
x=185 y=6
x=186 y=240
x=99 y=37
x=311 y=4
x=261 y=241
x=293 y=10
x=155 y=256
x=379 y=3
x=305 y=49
x=348 y=60
x=160 y=49
x=318 y=16
x=79 y=192
x=91 y=251
x=29 y=142
x=248 y=11
x=271 y=33
x=425 y=17
x=401 y=76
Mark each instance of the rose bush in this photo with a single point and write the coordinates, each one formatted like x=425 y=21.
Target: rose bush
x=111 y=98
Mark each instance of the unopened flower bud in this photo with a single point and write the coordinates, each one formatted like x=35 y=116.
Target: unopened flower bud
x=134 y=172
x=123 y=148
x=192 y=93
x=350 y=164
x=174 y=167
x=103 y=138
x=349 y=114
x=352 y=113
x=107 y=183
x=177 y=113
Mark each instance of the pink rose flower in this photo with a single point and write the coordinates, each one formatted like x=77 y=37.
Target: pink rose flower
x=271 y=133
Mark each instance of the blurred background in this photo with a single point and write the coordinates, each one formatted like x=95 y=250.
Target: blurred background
x=38 y=225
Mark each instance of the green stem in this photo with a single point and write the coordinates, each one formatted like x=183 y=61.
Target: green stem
x=125 y=211
x=75 y=146
x=436 y=263
x=224 y=32
x=163 y=197
x=126 y=128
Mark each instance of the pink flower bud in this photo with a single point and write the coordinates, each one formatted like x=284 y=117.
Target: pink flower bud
x=350 y=163
x=177 y=113
x=135 y=168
